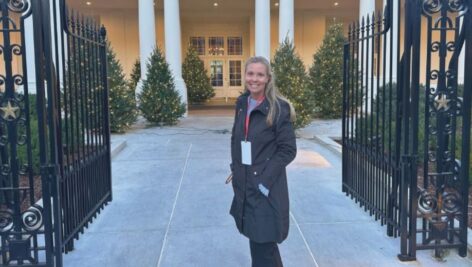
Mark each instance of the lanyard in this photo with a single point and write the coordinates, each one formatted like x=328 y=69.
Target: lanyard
x=246 y=126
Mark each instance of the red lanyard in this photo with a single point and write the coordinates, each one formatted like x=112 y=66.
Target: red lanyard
x=246 y=126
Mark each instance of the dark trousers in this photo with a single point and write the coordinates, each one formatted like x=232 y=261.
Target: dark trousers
x=265 y=254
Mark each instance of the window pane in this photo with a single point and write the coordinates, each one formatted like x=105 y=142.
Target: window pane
x=235 y=46
x=235 y=73
x=198 y=43
x=216 y=46
x=216 y=73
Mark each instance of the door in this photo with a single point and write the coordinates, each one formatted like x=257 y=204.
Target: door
x=223 y=56
x=235 y=81
x=226 y=77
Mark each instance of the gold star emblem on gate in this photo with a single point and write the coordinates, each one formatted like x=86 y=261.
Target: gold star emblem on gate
x=9 y=111
x=442 y=103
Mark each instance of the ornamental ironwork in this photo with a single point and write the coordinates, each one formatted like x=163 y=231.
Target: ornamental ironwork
x=406 y=135
x=54 y=134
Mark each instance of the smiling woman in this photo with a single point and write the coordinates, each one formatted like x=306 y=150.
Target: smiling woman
x=256 y=80
x=262 y=145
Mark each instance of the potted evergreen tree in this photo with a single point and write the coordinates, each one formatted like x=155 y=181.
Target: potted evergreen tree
x=122 y=101
x=326 y=74
x=196 y=78
x=159 y=101
x=291 y=80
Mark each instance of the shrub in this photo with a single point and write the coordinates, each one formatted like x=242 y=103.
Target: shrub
x=122 y=101
x=159 y=102
x=196 y=78
x=291 y=80
x=326 y=74
x=135 y=74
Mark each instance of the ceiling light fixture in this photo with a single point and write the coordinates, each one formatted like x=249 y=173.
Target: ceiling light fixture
x=276 y=4
x=336 y=4
x=215 y=4
x=88 y=3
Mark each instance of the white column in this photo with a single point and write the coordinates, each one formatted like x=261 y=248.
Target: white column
x=57 y=32
x=29 y=50
x=173 y=45
x=286 y=18
x=461 y=66
x=147 y=36
x=394 y=47
x=29 y=47
x=263 y=28
x=366 y=9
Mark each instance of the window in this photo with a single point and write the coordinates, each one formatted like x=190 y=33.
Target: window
x=216 y=46
x=235 y=46
x=198 y=43
x=216 y=73
x=235 y=73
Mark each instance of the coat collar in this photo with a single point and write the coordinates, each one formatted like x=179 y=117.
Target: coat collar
x=263 y=107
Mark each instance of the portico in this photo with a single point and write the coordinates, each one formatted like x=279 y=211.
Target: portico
x=224 y=33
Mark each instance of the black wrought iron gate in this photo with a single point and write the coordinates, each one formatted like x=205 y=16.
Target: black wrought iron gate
x=55 y=173
x=406 y=122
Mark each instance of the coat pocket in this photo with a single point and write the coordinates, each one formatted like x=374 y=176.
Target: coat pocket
x=264 y=206
x=256 y=172
x=238 y=180
x=263 y=203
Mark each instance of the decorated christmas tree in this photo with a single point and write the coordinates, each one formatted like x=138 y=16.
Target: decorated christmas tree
x=135 y=73
x=326 y=74
x=196 y=78
x=122 y=99
x=159 y=101
x=291 y=80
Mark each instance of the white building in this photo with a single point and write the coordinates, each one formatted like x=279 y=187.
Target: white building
x=225 y=32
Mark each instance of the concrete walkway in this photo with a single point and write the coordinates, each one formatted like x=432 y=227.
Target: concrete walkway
x=170 y=208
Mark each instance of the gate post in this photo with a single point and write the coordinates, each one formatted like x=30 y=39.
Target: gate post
x=345 y=113
x=466 y=127
x=106 y=111
x=38 y=29
x=407 y=247
x=414 y=116
x=47 y=118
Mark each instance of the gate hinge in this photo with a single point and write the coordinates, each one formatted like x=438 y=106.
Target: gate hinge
x=50 y=173
x=49 y=170
x=409 y=158
x=405 y=158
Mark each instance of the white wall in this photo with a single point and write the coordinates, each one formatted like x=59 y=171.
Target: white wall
x=122 y=30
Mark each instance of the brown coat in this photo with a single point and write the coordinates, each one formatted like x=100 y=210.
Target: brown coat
x=260 y=218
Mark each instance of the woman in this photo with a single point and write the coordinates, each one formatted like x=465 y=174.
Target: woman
x=262 y=145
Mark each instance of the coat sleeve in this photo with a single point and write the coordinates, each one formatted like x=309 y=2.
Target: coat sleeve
x=232 y=136
x=286 y=148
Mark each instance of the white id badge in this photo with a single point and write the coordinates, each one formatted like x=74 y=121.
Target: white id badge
x=246 y=153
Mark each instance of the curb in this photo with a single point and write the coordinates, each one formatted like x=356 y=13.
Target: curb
x=328 y=143
x=117 y=146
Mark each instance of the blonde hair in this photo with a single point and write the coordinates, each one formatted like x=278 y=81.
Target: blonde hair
x=271 y=92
